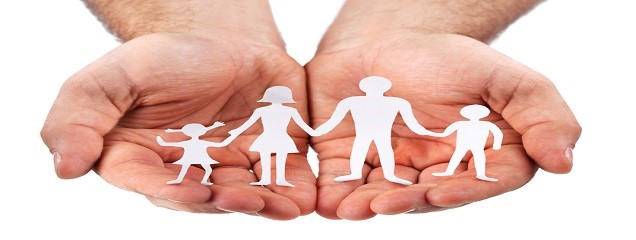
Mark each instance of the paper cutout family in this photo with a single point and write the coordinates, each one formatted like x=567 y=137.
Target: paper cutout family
x=373 y=116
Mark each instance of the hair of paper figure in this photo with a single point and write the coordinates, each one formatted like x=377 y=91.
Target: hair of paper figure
x=277 y=94
x=194 y=150
x=275 y=118
x=373 y=116
x=472 y=136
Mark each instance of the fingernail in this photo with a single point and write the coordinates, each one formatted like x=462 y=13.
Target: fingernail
x=412 y=210
x=57 y=158
x=569 y=155
x=223 y=209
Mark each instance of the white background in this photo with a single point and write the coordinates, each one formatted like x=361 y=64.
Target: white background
x=585 y=47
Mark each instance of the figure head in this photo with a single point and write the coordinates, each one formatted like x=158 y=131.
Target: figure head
x=474 y=112
x=277 y=94
x=375 y=85
x=193 y=130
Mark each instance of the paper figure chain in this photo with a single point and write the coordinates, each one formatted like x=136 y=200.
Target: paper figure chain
x=373 y=116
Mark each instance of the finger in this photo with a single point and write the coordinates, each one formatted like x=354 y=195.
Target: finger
x=277 y=207
x=299 y=174
x=231 y=194
x=224 y=199
x=88 y=106
x=138 y=169
x=534 y=108
x=330 y=192
x=509 y=165
x=411 y=199
x=274 y=206
x=357 y=205
x=186 y=207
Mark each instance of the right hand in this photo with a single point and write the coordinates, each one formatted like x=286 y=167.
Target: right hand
x=438 y=74
x=107 y=117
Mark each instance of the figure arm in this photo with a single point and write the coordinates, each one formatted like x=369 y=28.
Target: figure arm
x=166 y=144
x=226 y=142
x=497 y=134
x=448 y=131
x=410 y=120
x=341 y=110
x=215 y=125
x=302 y=124
x=250 y=121
x=218 y=144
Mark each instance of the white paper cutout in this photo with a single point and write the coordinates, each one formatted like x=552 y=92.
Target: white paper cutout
x=194 y=150
x=373 y=116
x=274 y=138
x=472 y=136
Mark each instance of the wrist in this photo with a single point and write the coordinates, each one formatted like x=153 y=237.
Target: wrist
x=242 y=20
x=361 y=20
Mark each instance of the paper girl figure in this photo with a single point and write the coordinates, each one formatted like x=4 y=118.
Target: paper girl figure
x=472 y=136
x=274 y=138
x=194 y=150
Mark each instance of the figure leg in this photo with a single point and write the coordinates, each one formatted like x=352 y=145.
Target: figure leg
x=184 y=170
x=480 y=165
x=266 y=166
x=387 y=159
x=356 y=162
x=206 y=178
x=281 y=159
x=454 y=162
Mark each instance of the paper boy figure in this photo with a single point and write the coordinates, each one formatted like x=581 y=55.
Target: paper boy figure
x=472 y=136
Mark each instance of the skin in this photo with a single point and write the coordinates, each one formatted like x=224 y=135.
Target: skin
x=180 y=64
x=107 y=116
x=439 y=69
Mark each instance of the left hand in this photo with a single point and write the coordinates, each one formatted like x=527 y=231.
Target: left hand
x=437 y=74
x=113 y=110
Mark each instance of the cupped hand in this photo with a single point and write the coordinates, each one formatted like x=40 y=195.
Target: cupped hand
x=438 y=75
x=108 y=115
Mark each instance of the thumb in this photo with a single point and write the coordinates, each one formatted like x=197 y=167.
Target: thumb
x=533 y=107
x=88 y=106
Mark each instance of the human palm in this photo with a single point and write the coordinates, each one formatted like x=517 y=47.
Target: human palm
x=438 y=75
x=126 y=99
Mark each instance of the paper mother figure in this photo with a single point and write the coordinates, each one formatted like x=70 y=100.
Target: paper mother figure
x=274 y=139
